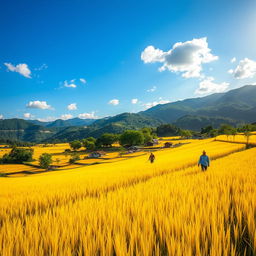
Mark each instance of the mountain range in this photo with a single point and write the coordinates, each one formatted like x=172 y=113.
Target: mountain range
x=234 y=107
x=238 y=104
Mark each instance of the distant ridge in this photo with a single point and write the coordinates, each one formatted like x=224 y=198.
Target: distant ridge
x=234 y=107
x=65 y=123
x=238 y=104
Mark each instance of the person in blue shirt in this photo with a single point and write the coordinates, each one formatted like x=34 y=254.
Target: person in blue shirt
x=204 y=161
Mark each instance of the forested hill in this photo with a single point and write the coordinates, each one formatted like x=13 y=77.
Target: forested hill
x=238 y=104
x=116 y=124
x=233 y=107
x=22 y=130
x=19 y=129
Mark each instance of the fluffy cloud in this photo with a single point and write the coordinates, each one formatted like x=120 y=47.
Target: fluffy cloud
x=38 y=104
x=20 y=68
x=1 y=116
x=27 y=115
x=207 y=86
x=245 y=69
x=134 y=101
x=113 y=102
x=72 y=106
x=47 y=119
x=152 y=89
x=66 y=116
x=88 y=116
x=233 y=60
x=82 y=80
x=151 y=55
x=70 y=84
x=154 y=103
x=186 y=57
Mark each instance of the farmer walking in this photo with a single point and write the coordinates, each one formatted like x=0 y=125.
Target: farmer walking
x=204 y=161
x=151 y=158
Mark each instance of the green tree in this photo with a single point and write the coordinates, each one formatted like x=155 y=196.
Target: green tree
x=206 y=130
x=247 y=127
x=45 y=160
x=75 y=145
x=185 y=134
x=131 y=138
x=84 y=142
x=167 y=130
x=91 y=139
x=147 y=137
x=247 y=135
x=18 y=156
x=233 y=133
x=90 y=145
x=147 y=133
x=213 y=133
x=226 y=129
x=74 y=158
x=107 y=139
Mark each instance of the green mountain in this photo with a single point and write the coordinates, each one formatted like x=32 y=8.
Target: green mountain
x=233 y=107
x=238 y=104
x=195 y=123
x=22 y=130
x=64 y=123
x=116 y=124
x=128 y=121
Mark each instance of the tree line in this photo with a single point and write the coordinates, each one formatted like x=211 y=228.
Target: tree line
x=126 y=139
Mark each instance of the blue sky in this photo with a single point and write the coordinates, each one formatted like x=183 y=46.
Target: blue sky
x=92 y=58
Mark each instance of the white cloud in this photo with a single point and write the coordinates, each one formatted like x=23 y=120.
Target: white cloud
x=27 y=115
x=20 y=68
x=72 y=106
x=88 y=116
x=186 y=57
x=82 y=80
x=207 y=86
x=114 y=102
x=1 y=116
x=47 y=119
x=42 y=67
x=70 y=84
x=152 y=89
x=233 y=60
x=66 y=116
x=134 y=101
x=38 y=104
x=151 y=55
x=154 y=103
x=245 y=69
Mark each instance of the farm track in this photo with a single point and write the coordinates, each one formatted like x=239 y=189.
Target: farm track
x=72 y=199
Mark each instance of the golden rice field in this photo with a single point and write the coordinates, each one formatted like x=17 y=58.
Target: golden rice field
x=132 y=207
x=240 y=138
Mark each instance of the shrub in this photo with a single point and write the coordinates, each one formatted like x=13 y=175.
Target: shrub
x=74 y=158
x=45 y=160
x=131 y=138
x=18 y=156
x=75 y=145
x=107 y=139
x=90 y=145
